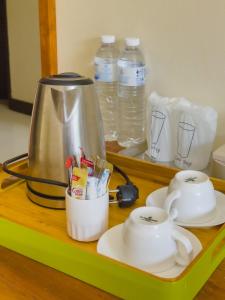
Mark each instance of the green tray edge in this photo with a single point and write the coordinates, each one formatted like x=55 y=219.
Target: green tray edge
x=102 y=272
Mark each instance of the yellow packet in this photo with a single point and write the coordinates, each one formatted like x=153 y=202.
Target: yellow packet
x=108 y=166
x=100 y=165
x=79 y=183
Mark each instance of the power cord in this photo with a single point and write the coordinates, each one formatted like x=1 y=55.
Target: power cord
x=126 y=194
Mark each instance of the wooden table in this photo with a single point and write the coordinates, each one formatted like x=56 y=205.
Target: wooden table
x=22 y=278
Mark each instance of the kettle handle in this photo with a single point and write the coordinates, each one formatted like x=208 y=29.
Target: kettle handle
x=27 y=177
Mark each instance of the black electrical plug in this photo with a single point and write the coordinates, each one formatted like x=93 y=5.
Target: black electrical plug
x=127 y=194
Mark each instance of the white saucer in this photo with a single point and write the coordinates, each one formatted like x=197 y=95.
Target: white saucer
x=111 y=245
x=158 y=197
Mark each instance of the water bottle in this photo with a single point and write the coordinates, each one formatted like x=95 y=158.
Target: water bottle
x=131 y=89
x=106 y=76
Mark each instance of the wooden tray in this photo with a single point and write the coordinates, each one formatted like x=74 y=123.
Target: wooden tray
x=40 y=234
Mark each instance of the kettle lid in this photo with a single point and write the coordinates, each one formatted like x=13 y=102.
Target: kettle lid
x=68 y=78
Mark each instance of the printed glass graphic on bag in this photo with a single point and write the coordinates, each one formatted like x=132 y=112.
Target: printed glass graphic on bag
x=158 y=121
x=185 y=138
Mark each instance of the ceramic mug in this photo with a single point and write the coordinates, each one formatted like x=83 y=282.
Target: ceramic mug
x=87 y=220
x=151 y=240
x=191 y=197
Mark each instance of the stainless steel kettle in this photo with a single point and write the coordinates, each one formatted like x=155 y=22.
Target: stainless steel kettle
x=66 y=117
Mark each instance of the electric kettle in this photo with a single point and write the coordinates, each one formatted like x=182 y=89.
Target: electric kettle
x=66 y=117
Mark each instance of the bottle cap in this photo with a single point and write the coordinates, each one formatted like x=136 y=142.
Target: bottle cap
x=108 y=39
x=133 y=42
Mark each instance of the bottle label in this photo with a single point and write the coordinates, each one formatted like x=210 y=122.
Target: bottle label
x=131 y=74
x=105 y=69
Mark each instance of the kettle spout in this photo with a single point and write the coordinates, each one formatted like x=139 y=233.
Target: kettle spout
x=65 y=102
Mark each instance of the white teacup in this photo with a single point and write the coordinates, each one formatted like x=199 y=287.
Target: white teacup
x=191 y=197
x=151 y=240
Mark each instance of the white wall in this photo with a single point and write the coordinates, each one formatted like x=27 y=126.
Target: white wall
x=183 y=41
x=24 y=48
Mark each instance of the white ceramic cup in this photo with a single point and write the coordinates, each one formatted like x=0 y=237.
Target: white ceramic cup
x=87 y=220
x=152 y=242
x=191 y=197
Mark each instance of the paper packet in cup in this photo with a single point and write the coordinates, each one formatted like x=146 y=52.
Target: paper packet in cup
x=79 y=183
x=103 y=171
x=103 y=182
x=100 y=165
x=108 y=166
x=86 y=163
x=91 y=190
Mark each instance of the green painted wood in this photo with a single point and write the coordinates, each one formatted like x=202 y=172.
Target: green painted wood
x=106 y=274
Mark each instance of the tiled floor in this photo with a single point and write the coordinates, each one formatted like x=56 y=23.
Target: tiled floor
x=14 y=132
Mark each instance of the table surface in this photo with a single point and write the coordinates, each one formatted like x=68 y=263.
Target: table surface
x=22 y=278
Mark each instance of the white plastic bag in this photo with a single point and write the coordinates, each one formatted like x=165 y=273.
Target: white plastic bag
x=196 y=131
x=160 y=133
x=180 y=132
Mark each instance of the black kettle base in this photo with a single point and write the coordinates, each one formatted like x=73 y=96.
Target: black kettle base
x=45 y=200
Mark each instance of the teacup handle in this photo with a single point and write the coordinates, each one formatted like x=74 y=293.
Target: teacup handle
x=168 y=204
x=183 y=258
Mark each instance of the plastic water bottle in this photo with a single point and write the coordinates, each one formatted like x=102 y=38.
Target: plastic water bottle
x=131 y=92
x=106 y=76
